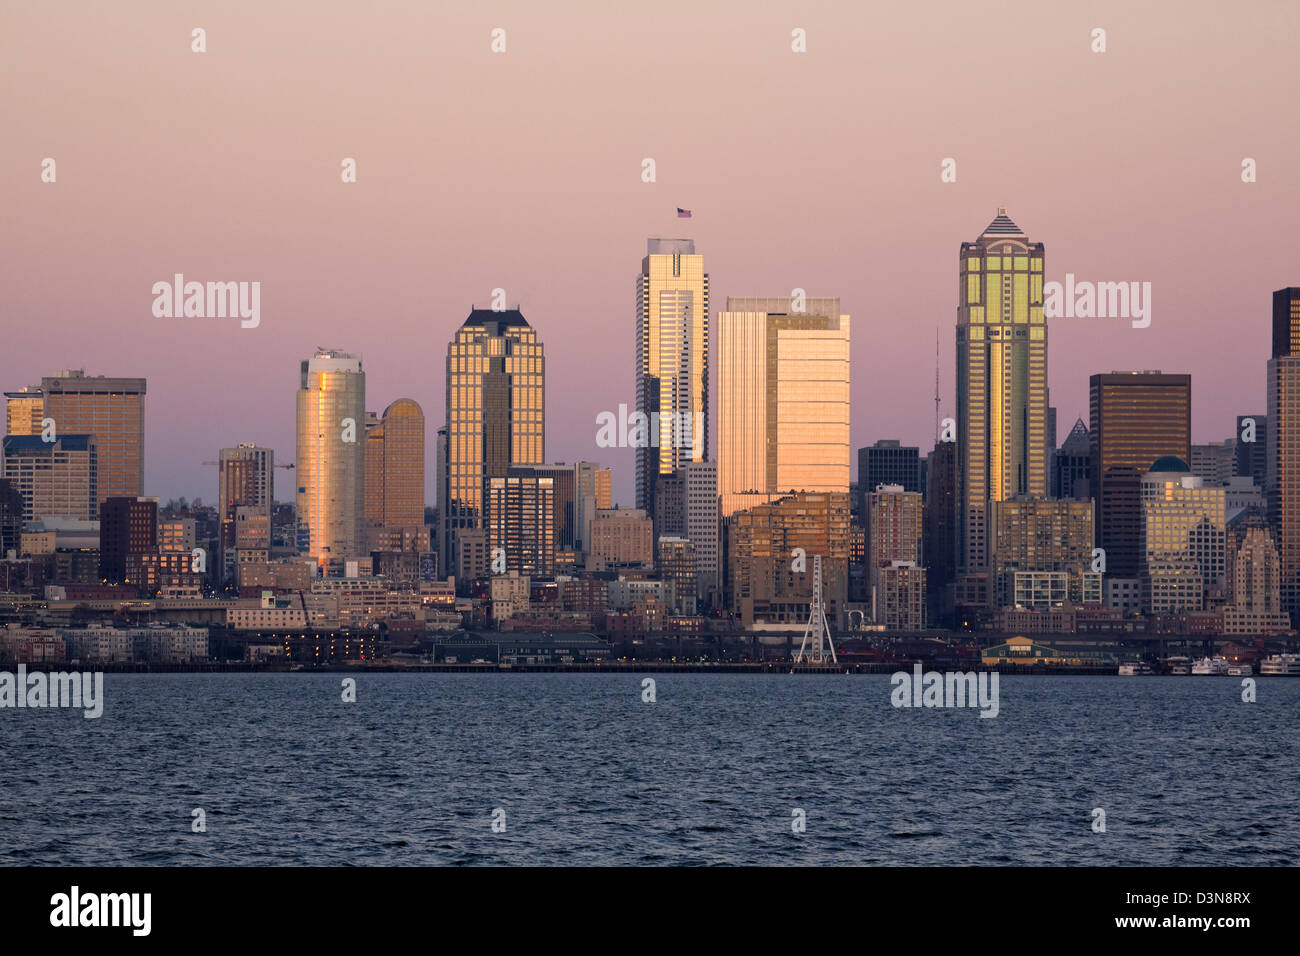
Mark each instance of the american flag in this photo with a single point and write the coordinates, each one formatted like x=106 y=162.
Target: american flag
x=683 y=213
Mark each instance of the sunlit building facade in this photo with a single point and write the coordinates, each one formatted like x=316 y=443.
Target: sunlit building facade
x=24 y=411
x=1283 y=460
x=395 y=466
x=1183 y=519
x=330 y=468
x=111 y=409
x=496 y=414
x=783 y=408
x=672 y=361
x=1002 y=401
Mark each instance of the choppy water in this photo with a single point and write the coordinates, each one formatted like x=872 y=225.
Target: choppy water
x=708 y=774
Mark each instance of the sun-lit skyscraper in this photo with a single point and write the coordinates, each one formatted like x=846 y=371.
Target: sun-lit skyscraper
x=1283 y=460
x=395 y=467
x=672 y=361
x=496 y=414
x=783 y=407
x=111 y=409
x=330 y=469
x=1002 y=434
x=24 y=411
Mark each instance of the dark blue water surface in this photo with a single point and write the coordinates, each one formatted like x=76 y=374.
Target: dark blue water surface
x=708 y=774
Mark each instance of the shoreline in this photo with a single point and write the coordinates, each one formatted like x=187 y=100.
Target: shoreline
x=616 y=667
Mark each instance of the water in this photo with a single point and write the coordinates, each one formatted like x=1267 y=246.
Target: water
x=709 y=774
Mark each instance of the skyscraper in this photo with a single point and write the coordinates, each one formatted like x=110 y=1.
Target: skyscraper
x=1136 y=417
x=245 y=480
x=111 y=409
x=1001 y=377
x=395 y=467
x=672 y=361
x=783 y=410
x=1283 y=479
x=127 y=527
x=55 y=479
x=331 y=457
x=24 y=411
x=894 y=522
x=496 y=413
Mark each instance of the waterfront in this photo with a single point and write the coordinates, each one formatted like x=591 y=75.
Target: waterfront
x=588 y=773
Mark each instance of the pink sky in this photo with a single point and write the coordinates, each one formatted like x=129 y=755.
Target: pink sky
x=522 y=171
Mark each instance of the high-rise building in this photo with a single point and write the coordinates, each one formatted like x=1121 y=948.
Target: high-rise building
x=565 y=478
x=24 y=411
x=1286 y=322
x=894 y=522
x=621 y=537
x=940 y=517
x=783 y=408
x=887 y=462
x=703 y=524
x=111 y=409
x=1001 y=377
x=1136 y=418
x=1072 y=475
x=11 y=518
x=56 y=479
x=128 y=527
x=1029 y=534
x=1214 y=462
x=395 y=466
x=1251 y=457
x=1183 y=521
x=496 y=413
x=520 y=521
x=245 y=482
x=1256 y=594
x=677 y=564
x=593 y=490
x=901 y=597
x=331 y=458
x=764 y=582
x=672 y=361
x=1282 y=481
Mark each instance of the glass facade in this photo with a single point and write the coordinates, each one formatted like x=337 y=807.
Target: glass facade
x=331 y=470
x=1002 y=431
x=672 y=360
x=783 y=411
x=496 y=413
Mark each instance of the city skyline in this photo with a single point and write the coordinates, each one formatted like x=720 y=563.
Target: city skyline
x=546 y=163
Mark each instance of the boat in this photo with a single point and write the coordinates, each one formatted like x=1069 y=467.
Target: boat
x=1239 y=670
x=1281 y=664
x=1135 y=669
x=1180 y=666
x=1212 y=666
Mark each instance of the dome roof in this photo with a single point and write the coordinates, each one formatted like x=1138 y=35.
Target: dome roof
x=1170 y=463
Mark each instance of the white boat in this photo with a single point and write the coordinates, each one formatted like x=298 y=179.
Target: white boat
x=1239 y=670
x=1135 y=669
x=1179 y=666
x=1281 y=664
x=1213 y=666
